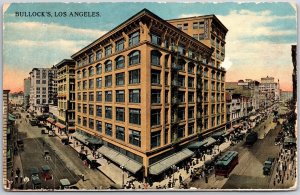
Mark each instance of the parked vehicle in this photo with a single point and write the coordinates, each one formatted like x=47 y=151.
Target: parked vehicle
x=33 y=122
x=46 y=174
x=36 y=182
x=251 y=138
x=268 y=165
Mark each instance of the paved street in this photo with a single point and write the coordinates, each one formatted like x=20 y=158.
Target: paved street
x=64 y=161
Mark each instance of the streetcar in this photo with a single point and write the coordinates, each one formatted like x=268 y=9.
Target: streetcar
x=226 y=163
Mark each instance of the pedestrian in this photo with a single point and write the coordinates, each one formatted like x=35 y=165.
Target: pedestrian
x=16 y=179
x=12 y=173
x=180 y=179
x=274 y=182
x=82 y=177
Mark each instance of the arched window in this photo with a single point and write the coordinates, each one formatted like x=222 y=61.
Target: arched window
x=84 y=74
x=98 y=69
x=181 y=64
x=91 y=71
x=191 y=67
x=134 y=58
x=78 y=75
x=108 y=66
x=155 y=57
x=120 y=62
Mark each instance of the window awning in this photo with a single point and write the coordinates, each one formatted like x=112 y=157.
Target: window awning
x=94 y=140
x=59 y=125
x=197 y=145
x=51 y=120
x=79 y=137
x=121 y=159
x=166 y=163
x=11 y=117
x=210 y=141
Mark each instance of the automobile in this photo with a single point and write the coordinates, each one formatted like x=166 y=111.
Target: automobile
x=268 y=165
x=35 y=179
x=46 y=173
x=33 y=122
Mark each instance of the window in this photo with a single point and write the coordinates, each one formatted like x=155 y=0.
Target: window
x=190 y=81
x=201 y=24
x=44 y=81
x=155 y=139
x=108 y=66
x=84 y=85
x=191 y=97
x=134 y=38
x=166 y=43
x=78 y=85
x=99 y=96
x=78 y=96
x=166 y=78
x=37 y=81
x=120 y=133
x=155 y=76
x=120 y=114
x=155 y=39
x=155 y=57
x=99 y=82
x=91 y=109
x=181 y=80
x=108 y=112
x=99 y=111
x=84 y=96
x=99 y=126
x=91 y=123
x=99 y=55
x=166 y=136
x=78 y=107
x=84 y=73
x=179 y=26
x=91 y=83
x=91 y=58
x=155 y=117
x=91 y=71
x=181 y=96
x=108 y=81
x=135 y=116
x=166 y=96
x=181 y=131
x=84 y=61
x=201 y=36
x=195 y=25
x=191 y=128
x=120 y=62
x=134 y=96
x=120 y=78
x=98 y=68
x=120 y=45
x=181 y=113
x=134 y=76
x=108 y=96
x=78 y=120
x=84 y=121
x=155 y=96
x=108 y=50
x=120 y=96
x=135 y=137
x=91 y=96
x=191 y=68
x=185 y=26
x=191 y=112
x=108 y=129
x=134 y=58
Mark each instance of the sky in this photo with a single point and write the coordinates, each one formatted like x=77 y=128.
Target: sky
x=258 y=43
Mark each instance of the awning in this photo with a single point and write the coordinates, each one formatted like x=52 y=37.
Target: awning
x=120 y=159
x=167 y=162
x=218 y=134
x=11 y=117
x=90 y=157
x=51 y=120
x=59 y=125
x=210 y=141
x=94 y=140
x=196 y=145
x=79 y=137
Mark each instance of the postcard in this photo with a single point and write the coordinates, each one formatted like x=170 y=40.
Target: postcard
x=149 y=96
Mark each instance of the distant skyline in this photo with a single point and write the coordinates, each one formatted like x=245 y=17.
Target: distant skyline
x=258 y=43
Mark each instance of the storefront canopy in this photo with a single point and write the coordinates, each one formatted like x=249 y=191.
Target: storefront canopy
x=51 y=120
x=120 y=159
x=166 y=163
x=197 y=145
x=80 y=137
x=94 y=140
x=210 y=141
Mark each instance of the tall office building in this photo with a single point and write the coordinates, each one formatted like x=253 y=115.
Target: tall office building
x=139 y=88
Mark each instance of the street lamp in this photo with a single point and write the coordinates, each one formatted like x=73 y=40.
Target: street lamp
x=173 y=168
x=122 y=167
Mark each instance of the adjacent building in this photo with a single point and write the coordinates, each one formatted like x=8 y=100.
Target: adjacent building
x=42 y=89
x=269 y=91
x=17 y=98
x=26 y=92
x=66 y=94
x=210 y=31
x=294 y=76
x=146 y=88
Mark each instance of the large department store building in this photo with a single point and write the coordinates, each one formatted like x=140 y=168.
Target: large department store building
x=148 y=88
